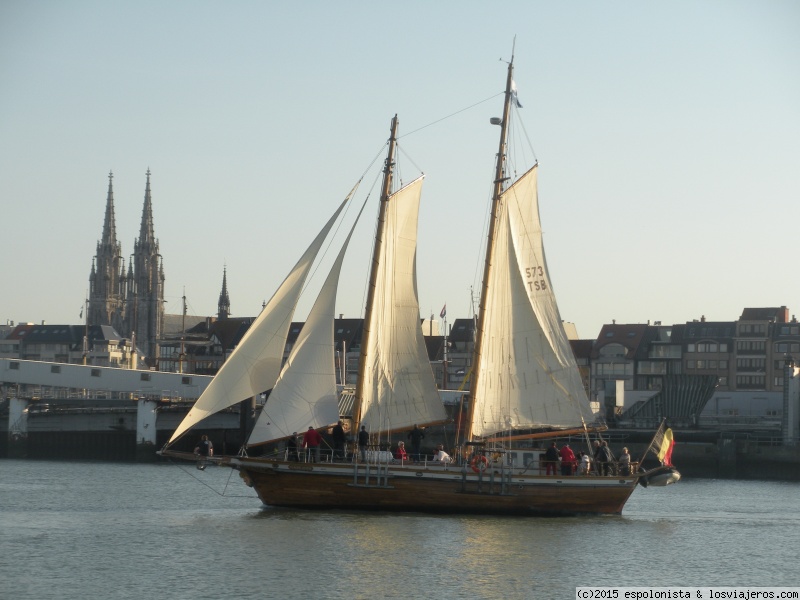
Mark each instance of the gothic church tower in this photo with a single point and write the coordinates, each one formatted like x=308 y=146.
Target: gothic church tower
x=224 y=304
x=107 y=281
x=145 y=289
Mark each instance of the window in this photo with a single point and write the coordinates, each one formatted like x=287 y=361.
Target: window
x=707 y=347
x=186 y=380
x=690 y=348
x=691 y=364
x=95 y=372
x=14 y=366
x=55 y=369
x=144 y=377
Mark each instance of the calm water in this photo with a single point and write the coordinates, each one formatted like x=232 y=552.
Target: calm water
x=80 y=530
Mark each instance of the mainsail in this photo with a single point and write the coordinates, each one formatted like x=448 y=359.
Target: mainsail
x=398 y=386
x=305 y=393
x=528 y=376
x=255 y=364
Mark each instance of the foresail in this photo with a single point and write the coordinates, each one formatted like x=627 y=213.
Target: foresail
x=528 y=375
x=254 y=365
x=398 y=389
x=305 y=393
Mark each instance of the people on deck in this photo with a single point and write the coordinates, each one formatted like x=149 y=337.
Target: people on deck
x=625 y=462
x=339 y=440
x=567 y=460
x=584 y=464
x=401 y=454
x=605 y=464
x=441 y=456
x=311 y=442
x=291 y=447
x=551 y=460
x=597 y=456
x=363 y=442
x=204 y=447
x=416 y=435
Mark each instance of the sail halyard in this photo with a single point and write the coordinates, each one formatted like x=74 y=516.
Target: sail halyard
x=254 y=365
x=305 y=394
x=487 y=268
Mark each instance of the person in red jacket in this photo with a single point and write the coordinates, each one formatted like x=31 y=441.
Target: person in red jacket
x=567 y=460
x=311 y=441
x=401 y=454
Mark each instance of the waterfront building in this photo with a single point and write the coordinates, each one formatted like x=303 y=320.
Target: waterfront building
x=97 y=345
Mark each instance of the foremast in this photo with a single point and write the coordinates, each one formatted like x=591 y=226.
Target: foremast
x=499 y=181
x=388 y=172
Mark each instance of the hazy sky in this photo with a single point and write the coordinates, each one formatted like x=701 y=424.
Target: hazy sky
x=668 y=136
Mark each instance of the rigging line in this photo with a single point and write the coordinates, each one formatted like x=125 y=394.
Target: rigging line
x=331 y=236
x=525 y=132
x=411 y=160
x=450 y=115
x=193 y=476
x=352 y=193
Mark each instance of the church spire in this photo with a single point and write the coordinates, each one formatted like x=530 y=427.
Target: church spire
x=106 y=286
x=224 y=305
x=146 y=232
x=146 y=285
x=109 y=239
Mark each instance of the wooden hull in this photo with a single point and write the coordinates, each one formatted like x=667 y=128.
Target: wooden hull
x=451 y=489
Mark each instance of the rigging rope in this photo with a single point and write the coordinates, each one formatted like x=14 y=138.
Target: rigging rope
x=449 y=116
x=217 y=492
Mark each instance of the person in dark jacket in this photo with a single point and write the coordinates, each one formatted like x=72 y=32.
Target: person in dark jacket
x=551 y=460
x=291 y=447
x=339 y=439
x=606 y=460
x=416 y=435
x=363 y=442
x=204 y=447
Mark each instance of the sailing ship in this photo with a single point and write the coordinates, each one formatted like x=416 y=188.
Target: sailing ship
x=525 y=383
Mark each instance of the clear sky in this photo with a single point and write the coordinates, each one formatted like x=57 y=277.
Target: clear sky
x=668 y=136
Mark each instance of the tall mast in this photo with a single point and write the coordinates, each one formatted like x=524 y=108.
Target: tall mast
x=499 y=180
x=388 y=170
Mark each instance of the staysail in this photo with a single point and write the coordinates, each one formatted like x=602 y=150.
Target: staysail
x=398 y=388
x=305 y=393
x=528 y=376
x=255 y=364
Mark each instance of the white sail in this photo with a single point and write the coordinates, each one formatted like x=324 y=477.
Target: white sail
x=528 y=375
x=254 y=365
x=398 y=388
x=305 y=393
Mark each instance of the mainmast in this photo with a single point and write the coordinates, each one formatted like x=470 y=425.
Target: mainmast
x=499 y=180
x=388 y=171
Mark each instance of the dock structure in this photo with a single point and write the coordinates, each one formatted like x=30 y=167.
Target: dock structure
x=62 y=410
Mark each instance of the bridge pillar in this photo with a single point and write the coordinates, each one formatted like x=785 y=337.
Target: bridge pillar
x=17 y=428
x=146 y=430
